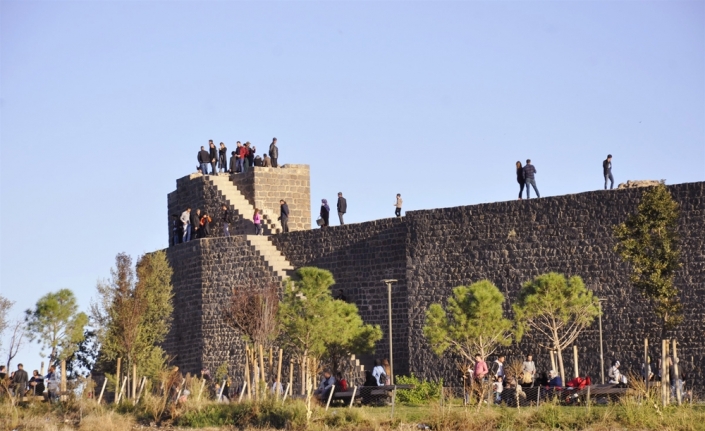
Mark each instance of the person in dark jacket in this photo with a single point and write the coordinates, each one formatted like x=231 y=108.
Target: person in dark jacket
x=238 y=159
x=607 y=171
x=36 y=383
x=520 y=178
x=195 y=223
x=251 y=150
x=342 y=207
x=213 y=157
x=225 y=220
x=233 y=162
x=244 y=151
x=203 y=160
x=19 y=381
x=274 y=152
x=284 y=215
x=529 y=172
x=325 y=212
x=223 y=158
x=205 y=229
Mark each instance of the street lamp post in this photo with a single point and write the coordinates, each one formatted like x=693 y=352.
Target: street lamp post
x=389 y=282
x=602 y=357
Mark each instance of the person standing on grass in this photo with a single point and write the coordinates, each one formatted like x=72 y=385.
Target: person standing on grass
x=397 y=205
x=203 y=160
x=480 y=368
x=274 y=152
x=342 y=207
x=19 y=381
x=529 y=172
x=284 y=215
x=607 y=171
x=520 y=178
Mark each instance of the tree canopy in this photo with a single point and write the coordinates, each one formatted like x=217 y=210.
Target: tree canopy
x=57 y=324
x=472 y=323
x=648 y=240
x=313 y=324
x=556 y=308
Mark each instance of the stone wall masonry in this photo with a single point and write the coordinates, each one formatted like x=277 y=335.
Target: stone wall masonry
x=264 y=187
x=509 y=243
x=360 y=256
x=205 y=273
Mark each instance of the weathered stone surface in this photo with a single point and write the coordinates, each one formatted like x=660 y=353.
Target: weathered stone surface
x=432 y=251
x=639 y=183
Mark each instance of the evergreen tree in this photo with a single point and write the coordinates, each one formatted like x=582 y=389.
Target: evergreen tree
x=472 y=323
x=315 y=325
x=649 y=242
x=558 y=309
x=57 y=324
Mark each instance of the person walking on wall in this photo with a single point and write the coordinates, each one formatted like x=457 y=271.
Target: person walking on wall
x=607 y=171
x=397 y=211
x=225 y=220
x=325 y=213
x=342 y=207
x=520 y=178
x=529 y=172
x=213 y=154
x=284 y=215
x=274 y=152
x=257 y=220
x=203 y=160
x=186 y=221
x=222 y=158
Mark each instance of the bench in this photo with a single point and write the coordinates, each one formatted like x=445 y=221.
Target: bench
x=366 y=394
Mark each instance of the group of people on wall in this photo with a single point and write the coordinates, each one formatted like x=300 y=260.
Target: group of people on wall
x=342 y=207
x=526 y=176
x=241 y=160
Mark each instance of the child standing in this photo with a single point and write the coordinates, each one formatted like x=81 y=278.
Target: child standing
x=257 y=219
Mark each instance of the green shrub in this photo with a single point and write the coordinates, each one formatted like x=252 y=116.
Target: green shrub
x=268 y=414
x=423 y=392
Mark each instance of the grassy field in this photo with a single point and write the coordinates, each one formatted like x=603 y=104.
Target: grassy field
x=86 y=415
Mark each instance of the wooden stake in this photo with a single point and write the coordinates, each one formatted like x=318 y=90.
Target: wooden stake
x=303 y=375
x=122 y=390
x=575 y=361
x=330 y=396
x=222 y=388
x=271 y=359
x=247 y=378
x=203 y=383
x=291 y=375
x=352 y=400
x=553 y=361
x=647 y=366
x=41 y=369
x=242 y=392
x=134 y=381
x=676 y=375
x=63 y=376
x=286 y=392
x=143 y=382
x=105 y=382
x=279 y=369
x=664 y=373
x=117 y=377
x=261 y=366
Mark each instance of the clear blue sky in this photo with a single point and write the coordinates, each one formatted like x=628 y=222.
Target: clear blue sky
x=104 y=105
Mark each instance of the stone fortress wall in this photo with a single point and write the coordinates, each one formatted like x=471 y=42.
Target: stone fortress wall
x=432 y=251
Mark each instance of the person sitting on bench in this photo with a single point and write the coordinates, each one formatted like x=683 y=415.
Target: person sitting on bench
x=326 y=385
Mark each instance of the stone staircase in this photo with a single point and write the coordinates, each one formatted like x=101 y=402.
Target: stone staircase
x=274 y=258
x=243 y=207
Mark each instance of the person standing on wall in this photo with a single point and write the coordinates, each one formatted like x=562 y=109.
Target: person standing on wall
x=284 y=215
x=274 y=152
x=186 y=221
x=325 y=213
x=251 y=154
x=398 y=204
x=244 y=151
x=520 y=178
x=195 y=223
x=223 y=158
x=529 y=172
x=342 y=207
x=225 y=220
x=203 y=160
x=607 y=171
x=213 y=156
x=233 y=162
x=238 y=160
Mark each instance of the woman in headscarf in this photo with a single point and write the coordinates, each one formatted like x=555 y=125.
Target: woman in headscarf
x=325 y=212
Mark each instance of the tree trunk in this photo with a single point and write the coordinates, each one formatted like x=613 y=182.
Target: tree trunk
x=560 y=364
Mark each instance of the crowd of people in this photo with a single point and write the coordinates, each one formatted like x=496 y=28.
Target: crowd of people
x=19 y=384
x=241 y=160
x=526 y=176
